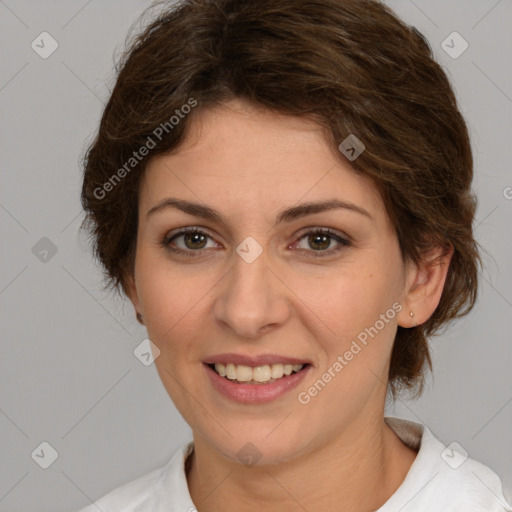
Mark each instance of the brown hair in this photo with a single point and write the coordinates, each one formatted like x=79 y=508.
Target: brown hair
x=352 y=66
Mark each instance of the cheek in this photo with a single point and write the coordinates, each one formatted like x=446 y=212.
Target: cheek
x=174 y=305
x=353 y=316
x=347 y=302
x=163 y=296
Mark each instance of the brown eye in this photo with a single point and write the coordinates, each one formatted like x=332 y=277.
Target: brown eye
x=195 y=240
x=319 y=242
x=190 y=241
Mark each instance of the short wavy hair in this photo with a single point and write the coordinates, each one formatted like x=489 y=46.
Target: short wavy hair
x=352 y=66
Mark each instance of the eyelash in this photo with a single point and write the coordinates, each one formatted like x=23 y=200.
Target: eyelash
x=165 y=242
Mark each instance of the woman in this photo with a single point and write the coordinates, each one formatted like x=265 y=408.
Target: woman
x=283 y=191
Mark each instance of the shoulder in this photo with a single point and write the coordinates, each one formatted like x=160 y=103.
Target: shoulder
x=148 y=492
x=473 y=485
x=444 y=477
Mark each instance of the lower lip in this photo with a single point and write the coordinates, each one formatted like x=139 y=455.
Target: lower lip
x=255 y=393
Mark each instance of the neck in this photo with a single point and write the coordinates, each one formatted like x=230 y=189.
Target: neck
x=360 y=469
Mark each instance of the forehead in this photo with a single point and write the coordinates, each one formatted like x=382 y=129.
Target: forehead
x=235 y=155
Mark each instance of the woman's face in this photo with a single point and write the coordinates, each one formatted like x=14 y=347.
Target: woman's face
x=264 y=286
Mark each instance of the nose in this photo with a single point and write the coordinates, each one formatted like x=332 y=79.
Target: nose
x=251 y=298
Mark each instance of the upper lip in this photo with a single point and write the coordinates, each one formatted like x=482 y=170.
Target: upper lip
x=259 y=360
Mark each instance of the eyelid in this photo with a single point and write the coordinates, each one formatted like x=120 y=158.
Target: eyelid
x=166 y=239
x=304 y=230
x=185 y=230
x=332 y=231
x=343 y=240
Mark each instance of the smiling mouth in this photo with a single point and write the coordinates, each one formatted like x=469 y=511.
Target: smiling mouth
x=264 y=374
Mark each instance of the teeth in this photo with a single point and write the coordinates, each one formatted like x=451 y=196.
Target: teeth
x=243 y=373
x=276 y=371
x=261 y=373
x=230 y=371
x=265 y=373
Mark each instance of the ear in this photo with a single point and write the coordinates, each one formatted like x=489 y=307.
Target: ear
x=424 y=284
x=131 y=291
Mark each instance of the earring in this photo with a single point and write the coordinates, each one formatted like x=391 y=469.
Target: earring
x=411 y=314
x=140 y=319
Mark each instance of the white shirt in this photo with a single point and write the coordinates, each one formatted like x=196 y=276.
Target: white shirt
x=441 y=479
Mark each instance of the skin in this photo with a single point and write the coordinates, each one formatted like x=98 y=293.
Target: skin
x=336 y=452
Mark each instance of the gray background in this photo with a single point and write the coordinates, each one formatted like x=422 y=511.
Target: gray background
x=68 y=373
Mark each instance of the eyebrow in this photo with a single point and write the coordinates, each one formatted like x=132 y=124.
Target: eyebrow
x=295 y=212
